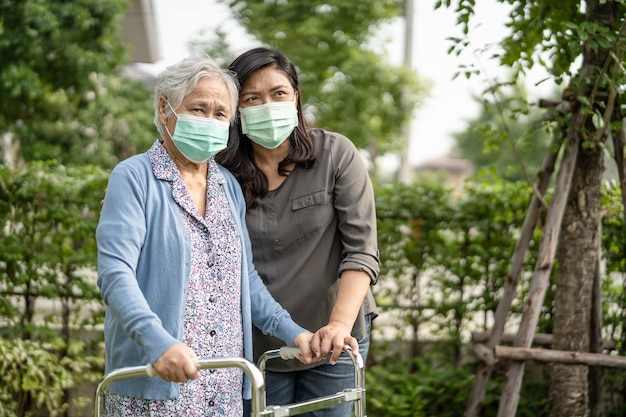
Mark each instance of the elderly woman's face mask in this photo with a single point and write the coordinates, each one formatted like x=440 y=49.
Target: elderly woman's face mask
x=199 y=138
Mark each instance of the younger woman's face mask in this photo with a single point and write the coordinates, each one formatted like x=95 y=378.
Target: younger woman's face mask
x=269 y=124
x=199 y=138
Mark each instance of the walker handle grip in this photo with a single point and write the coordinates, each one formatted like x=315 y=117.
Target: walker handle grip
x=151 y=372
x=289 y=352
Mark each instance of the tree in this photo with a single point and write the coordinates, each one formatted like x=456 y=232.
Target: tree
x=114 y=122
x=580 y=43
x=346 y=86
x=62 y=94
x=508 y=136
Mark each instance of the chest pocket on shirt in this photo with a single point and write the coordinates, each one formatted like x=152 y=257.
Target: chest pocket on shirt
x=312 y=211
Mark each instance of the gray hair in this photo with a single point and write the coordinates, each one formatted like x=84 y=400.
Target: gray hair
x=178 y=80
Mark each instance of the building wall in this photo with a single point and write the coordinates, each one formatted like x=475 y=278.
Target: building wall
x=139 y=32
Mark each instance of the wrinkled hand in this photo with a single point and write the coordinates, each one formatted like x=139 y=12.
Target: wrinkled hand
x=177 y=364
x=303 y=341
x=333 y=337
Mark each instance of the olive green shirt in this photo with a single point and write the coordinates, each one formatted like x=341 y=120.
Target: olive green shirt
x=304 y=234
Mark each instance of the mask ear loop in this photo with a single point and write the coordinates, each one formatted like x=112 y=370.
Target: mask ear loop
x=172 y=109
x=173 y=112
x=167 y=130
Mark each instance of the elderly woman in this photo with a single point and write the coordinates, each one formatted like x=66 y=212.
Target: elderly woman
x=174 y=259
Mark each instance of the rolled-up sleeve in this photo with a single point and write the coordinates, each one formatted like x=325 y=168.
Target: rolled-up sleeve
x=356 y=211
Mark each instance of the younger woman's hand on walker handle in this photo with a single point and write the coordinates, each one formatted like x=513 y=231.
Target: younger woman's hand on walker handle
x=177 y=364
x=331 y=339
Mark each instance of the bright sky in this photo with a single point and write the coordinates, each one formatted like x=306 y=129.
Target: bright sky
x=450 y=104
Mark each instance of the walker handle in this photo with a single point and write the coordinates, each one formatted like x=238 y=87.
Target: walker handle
x=151 y=372
x=289 y=352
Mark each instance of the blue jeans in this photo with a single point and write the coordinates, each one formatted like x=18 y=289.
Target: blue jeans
x=291 y=387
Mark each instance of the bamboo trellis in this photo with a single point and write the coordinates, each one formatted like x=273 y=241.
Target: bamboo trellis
x=490 y=350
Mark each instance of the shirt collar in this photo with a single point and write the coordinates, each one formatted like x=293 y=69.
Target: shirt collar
x=163 y=166
x=165 y=169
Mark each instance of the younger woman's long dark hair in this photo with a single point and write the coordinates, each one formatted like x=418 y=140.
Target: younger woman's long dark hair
x=237 y=157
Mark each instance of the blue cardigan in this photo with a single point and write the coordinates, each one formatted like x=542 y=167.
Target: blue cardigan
x=143 y=274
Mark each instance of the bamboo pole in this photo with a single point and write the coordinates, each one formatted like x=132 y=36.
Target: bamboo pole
x=515 y=270
x=560 y=356
x=543 y=268
x=539 y=339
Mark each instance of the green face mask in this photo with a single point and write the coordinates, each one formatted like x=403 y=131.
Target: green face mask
x=269 y=124
x=199 y=138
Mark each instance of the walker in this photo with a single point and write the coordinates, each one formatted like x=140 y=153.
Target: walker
x=257 y=379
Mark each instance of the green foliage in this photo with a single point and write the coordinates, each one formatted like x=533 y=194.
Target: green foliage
x=48 y=51
x=346 y=87
x=430 y=390
x=614 y=253
x=445 y=259
x=36 y=375
x=61 y=93
x=613 y=236
x=436 y=388
x=366 y=99
x=48 y=294
x=114 y=122
x=480 y=239
x=538 y=29
x=548 y=33
x=410 y=218
x=508 y=136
